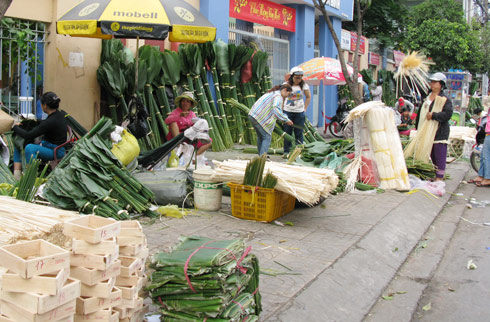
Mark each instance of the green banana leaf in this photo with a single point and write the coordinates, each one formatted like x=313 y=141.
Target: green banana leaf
x=222 y=56
x=171 y=66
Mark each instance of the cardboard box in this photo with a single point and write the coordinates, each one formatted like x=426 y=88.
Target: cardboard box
x=18 y=314
x=87 y=305
x=130 y=265
x=38 y=303
x=34 y=258
x=81 y=247
x=91 y=228
x=101 y=289
x=92 y=276
x=131 y=228
x=99 y=316
x=48 y=284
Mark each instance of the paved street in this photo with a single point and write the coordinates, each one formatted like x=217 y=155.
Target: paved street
x=435 y=284
x=331 y=262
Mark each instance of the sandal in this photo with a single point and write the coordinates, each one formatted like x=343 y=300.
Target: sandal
x=482 y=185
x=474 y=181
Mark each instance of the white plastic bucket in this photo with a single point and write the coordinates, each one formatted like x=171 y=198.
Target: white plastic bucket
x=207 y=193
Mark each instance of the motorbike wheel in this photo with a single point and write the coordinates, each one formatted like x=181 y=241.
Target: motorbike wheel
x=475 y=160
x=336 y=129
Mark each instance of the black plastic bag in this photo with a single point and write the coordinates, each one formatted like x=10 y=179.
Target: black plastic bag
x=137 y=118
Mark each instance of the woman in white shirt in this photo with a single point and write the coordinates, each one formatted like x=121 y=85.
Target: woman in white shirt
x=295 y=107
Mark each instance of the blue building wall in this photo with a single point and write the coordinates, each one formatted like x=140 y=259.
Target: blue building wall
x=217 y=11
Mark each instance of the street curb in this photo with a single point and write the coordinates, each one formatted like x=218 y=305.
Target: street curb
x=348 y=289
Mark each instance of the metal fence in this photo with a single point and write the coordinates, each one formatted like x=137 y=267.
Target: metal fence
x=278 y=49
x=22 y=59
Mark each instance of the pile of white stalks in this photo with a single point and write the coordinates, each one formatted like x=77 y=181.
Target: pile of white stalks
x=23 y=220
x=384 y=143
x=307 y=184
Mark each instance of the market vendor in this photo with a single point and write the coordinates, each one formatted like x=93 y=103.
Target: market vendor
x=183 y=118
x=401 y=103
x=54 y=132
x=437 y=98
x=264 y=113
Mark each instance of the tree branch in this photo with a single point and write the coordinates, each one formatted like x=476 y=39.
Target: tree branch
x=351 y=80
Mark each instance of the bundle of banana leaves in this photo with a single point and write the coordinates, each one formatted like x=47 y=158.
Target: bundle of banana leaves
x=326 y=154
x=91 y=179
x=423 y=170
x=206 y=280
x=113 y=76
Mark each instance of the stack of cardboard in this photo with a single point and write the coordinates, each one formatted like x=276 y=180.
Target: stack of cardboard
x=94 y=261
x=133 y=253
x=35 y=283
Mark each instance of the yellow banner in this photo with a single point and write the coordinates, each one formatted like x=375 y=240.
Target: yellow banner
x=198 y=34
x=127 y=11
x=79 y=27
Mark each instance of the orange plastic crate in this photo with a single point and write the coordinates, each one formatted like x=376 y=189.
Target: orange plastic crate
x=259 y=204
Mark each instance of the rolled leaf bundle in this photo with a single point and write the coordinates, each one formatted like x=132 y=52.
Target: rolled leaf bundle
x=205 y=279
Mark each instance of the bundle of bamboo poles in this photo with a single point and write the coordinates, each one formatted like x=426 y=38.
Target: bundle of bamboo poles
x=24 y=220
x=307 y=184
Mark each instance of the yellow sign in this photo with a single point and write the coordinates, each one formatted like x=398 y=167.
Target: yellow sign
x=184 y=14
x=88 y=9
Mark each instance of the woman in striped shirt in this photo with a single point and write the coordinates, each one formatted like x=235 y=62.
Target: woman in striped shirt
x=264 y=113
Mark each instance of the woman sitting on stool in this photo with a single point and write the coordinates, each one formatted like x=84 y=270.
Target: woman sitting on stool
x=53 y=129
x=182 y=118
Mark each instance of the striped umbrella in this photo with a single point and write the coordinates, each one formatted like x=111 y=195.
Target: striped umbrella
x=146 y=19
x=325 y=70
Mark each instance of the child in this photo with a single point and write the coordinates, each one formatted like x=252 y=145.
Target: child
x=406 y=122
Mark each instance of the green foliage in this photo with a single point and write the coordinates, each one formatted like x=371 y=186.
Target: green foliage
x=447 y=10
x=19 y=39
x=383 y=20
x=367 y=76
x=485 y=48
x=389 y=97
x=438 y=30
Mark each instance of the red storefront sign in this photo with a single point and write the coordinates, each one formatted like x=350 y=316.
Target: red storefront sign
x=398 y=56
x=373 y=59
x=353 y=43
x=264 y=12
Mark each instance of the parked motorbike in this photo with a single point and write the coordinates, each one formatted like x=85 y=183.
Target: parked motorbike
x=475 y=157
x=337 y=123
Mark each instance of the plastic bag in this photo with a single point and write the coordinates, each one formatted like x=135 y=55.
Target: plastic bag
x=137 y=119
x=185 y=152
x=437 y=188
x=169 y=186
